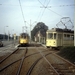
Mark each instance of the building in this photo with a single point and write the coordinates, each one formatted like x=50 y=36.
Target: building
x=40 y=36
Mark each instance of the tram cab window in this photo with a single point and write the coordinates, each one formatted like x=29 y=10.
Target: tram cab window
x=50 y=35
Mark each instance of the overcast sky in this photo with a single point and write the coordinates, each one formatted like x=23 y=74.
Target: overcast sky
x=12 y=19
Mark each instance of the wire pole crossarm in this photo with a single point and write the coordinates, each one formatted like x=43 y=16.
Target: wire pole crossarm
x=57 y=6
x=43 y=6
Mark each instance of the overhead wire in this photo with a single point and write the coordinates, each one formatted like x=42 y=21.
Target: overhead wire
x=22 y=12
x=49 y=9
x=38 y=18
x=44 y=8
x=59 y=6
x=40 y=14
x=38 y=6
x=56 y=12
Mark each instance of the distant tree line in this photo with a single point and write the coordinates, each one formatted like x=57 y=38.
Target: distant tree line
x=5 y=37
x=2 y=37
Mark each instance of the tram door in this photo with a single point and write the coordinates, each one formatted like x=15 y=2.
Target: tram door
x=59 y=39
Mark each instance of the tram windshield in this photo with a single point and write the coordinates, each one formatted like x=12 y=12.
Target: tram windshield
x=23 y=36
x=50 y=35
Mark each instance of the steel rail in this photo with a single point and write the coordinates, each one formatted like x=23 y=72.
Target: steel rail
x=33 y=65
x=48 y=62
x=64 y=60
x=22 y=60
x=8 y=56
x=9 y=65
x=19 y=60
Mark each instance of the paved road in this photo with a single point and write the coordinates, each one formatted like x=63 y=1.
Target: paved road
x=6 y=43
x=9 y=46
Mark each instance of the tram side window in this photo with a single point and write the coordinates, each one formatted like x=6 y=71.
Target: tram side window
x=66 y=37
x=50 y=35
x=72 y=37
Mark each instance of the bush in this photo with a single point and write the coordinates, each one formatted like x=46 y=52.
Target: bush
x=68 y=53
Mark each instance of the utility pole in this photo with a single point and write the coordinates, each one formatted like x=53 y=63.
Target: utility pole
x=30 y=31
x=74 y=32
x=30 y=27
x=12 y=34
x=74 y=24
x=39 y=36
x=4 y=34
x=23 y=29
x=8 y=35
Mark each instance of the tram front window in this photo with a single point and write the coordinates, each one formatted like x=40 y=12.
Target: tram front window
x=50 y=35
x=23 y=36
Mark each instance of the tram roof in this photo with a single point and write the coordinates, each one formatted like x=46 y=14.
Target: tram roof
x=23 y=34
x=60 y=30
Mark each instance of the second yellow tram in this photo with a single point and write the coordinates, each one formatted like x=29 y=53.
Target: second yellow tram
x=24 y=39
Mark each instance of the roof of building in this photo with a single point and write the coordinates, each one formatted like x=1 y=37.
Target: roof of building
x=41 y=32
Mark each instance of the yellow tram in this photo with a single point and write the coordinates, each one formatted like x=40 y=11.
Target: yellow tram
x=24 y=39
x=57 y=37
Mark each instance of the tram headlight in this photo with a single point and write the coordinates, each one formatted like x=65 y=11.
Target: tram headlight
x=54 y=42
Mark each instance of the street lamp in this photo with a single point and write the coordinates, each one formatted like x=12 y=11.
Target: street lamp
x=12 y=34
x=8 y=33
x=4 y=32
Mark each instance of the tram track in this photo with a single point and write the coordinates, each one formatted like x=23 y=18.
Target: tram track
x=33 y=65
x=20 y=59
x=9 y=60
x=44 y=57
x=30 y=59
x=17 y=54
x=68 y=68
x=59 y=66
x=21 y=63
x=8 y=56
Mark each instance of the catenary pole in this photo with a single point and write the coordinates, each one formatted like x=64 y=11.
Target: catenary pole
x=74 y=24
